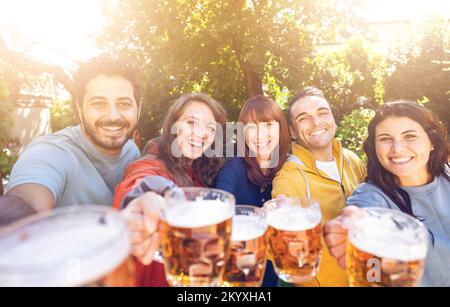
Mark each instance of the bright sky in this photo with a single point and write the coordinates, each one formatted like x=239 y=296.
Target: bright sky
x=68 y=26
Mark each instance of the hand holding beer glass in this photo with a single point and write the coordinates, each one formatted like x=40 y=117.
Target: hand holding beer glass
x=196 y=236
x=385 y=248
x=246 y=265
x=294 y=238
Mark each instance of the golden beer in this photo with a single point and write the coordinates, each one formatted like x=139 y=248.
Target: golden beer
x=386 y=248
x=295 y=240
x=246 y=265
x=196 y=239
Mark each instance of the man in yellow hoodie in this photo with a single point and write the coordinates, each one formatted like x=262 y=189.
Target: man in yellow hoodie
x=319 y=168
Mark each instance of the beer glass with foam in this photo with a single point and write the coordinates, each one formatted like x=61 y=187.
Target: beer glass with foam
x=86 y=245
x=246 y=265
x=196 y=236
x=385 y=248
x=294 y=237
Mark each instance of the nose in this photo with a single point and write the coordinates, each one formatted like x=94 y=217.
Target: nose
x=397 y=146
x=199 y=131
x=315 y=120
x=114 y=114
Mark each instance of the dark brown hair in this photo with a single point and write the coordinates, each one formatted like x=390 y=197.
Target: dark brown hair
x=205 y=168
x=263 y=109
x=438 y=162
x=108 y=66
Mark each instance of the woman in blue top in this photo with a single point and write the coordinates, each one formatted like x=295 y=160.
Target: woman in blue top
x=408 y=170
x=263 y=138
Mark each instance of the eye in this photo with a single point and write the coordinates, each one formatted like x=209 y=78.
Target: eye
x=98 y=103
x=410 y=137
x=384 y=139
x=125 y=104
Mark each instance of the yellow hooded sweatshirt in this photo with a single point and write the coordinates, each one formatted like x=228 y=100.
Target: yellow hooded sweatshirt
x=300 y=177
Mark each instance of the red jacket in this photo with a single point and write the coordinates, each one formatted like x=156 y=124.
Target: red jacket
x=149 y=165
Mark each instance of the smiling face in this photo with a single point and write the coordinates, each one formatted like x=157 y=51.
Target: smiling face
x=196 y=130
x=109 y=112
x=403 y=148
x=313 y=123
x=262 y=138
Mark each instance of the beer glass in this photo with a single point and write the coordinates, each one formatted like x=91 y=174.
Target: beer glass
x=196 y=236
x=294 y=237
x=86 y=245
x=246 y=265
x=385 y=248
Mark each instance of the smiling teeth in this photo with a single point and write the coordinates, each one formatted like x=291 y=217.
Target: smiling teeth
x=112 y=128
x=318 y=132
x=400 y=160
x=196 y=144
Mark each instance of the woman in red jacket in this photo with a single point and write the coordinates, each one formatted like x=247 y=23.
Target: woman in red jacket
x=183 y=154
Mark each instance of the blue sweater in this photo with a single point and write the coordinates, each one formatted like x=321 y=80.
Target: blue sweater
x=431 y=202
x=233 y=179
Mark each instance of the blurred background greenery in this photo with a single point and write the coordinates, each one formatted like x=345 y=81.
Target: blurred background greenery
x=233 y=50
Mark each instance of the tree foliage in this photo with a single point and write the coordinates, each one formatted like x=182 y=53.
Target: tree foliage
x=419 y=68
x=231 y=50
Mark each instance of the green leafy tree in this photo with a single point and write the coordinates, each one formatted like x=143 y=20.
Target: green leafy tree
x=419 y=68
x=351 y=78
x=231 y=50
x=62 y=114
x=353 y=130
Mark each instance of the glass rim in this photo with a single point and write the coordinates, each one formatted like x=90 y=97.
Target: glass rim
x=411 y=220
x=56 y=213
x=171 y=193
x=312 y=203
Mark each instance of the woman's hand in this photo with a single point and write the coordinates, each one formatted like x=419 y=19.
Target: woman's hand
x=143 y=217
x=335 y=234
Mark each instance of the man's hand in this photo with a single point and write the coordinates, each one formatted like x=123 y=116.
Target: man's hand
x=143 y=217
x=335 y=234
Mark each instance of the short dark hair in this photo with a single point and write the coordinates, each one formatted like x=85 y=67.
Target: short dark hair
x=309 y=91
x=108 y=66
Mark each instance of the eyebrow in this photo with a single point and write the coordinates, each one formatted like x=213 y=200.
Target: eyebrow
x=125 y=98
x=97 y=97
x=408 y=131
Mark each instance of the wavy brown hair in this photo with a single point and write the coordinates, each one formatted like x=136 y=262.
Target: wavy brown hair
x=205 y=168
x=438 y=162
x=264 y=109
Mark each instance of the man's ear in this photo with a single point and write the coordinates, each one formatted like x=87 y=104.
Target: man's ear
x=292 y=133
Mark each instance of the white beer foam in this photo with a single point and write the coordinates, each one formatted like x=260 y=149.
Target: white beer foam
x=381 y=237
x=74 y=256
x=293 y=218
x=246 y=228
x=54 y=246
x=201 y=213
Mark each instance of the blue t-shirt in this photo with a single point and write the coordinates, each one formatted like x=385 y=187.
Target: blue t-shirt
x=233 y=178
x=73 y=169
x=430 y=202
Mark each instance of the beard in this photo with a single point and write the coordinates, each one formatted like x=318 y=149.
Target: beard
x=107 y=141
